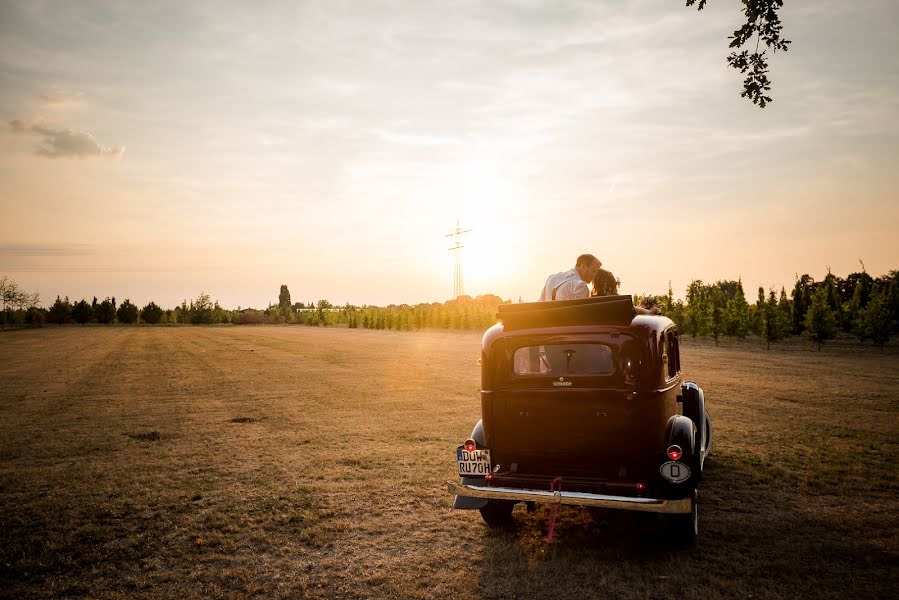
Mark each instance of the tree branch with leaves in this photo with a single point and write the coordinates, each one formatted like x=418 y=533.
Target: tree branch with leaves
x=764 y=27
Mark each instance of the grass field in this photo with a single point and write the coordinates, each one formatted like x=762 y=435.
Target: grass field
x=303 y=462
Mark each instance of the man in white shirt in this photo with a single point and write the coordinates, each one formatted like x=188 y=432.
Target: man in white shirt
x=572 y=284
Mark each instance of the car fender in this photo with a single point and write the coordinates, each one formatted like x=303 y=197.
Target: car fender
x=680 y=431
x=694 y=409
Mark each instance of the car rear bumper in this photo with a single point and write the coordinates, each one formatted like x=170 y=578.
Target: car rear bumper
x=573 y=498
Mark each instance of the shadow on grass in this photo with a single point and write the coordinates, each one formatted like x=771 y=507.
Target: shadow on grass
x=754 y=539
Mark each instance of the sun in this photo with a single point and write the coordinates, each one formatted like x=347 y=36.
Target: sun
x=481 y=197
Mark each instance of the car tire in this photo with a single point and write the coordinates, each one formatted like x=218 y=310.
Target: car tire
x=497 y=513
x=686 y=527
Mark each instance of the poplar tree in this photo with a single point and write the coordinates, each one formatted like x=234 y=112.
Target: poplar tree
x=801 y=299
x=784 y=314
x=738 y=314
x=770 y=323
x=284 y=301
x=717 y=307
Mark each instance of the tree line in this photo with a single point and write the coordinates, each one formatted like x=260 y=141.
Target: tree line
x=859 y=304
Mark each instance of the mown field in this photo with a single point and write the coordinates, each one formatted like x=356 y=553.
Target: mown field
x=301 y=462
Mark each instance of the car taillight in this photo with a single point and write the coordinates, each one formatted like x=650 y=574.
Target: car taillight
x=640 y=486
x=489 y=477
x=674 y=452
x=470 y=446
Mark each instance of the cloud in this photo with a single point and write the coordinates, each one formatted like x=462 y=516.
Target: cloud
x=59 y=99
x=61 y=142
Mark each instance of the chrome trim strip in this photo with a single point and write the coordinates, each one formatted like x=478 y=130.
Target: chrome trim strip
x=572 y=498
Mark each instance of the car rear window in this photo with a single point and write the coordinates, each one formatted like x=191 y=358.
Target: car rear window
x=563 y=359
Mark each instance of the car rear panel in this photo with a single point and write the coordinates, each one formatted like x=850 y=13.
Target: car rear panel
x=598 y=427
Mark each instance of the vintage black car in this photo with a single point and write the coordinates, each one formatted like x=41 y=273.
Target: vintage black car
x=583 y=403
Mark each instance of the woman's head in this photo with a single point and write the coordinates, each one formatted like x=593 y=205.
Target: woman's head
x=605 y=284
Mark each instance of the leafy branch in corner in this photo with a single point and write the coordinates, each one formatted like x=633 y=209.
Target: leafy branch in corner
x=762 y=24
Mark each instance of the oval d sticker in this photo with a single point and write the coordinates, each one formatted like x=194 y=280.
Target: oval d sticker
x=675 y=472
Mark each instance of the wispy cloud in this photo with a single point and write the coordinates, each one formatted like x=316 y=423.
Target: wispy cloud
x=61 y=142
x=59 y=99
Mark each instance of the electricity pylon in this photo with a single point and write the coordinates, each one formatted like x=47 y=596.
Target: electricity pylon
x=457 y=246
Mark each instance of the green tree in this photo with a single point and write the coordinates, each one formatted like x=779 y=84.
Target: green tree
x=832 y=286
x=105 y=311
x=60 y=312
x=717 y=312
x=820 y=322
x=151 y=313
x=127 y=312
x=802 y=297
x=874 y=322
x=784 y=315
x=202 y=310
x=284 y=301
x=322 y=307
x=762 y=25
x=771 y=328
x=738 y=322
x=758 y=314
x=696 y=311
x=82 y=312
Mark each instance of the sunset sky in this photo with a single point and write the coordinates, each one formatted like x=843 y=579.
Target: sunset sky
x=152 y=151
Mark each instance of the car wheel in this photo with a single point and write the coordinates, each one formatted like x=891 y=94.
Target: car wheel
x=686 y=527
x=497 y=513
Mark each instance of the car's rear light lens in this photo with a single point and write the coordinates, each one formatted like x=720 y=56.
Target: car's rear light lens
x=640 y=486
x=470 y=446
x=489 y=477
x=674 y=452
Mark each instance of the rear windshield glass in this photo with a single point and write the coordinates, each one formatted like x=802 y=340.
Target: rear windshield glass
x=563 y=359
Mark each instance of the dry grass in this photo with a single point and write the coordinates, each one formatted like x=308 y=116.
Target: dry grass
x=300 y=462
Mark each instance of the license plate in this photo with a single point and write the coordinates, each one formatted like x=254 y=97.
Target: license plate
x=473 y=463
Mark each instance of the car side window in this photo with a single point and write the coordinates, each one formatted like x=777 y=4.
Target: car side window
x=664 y=351
x=673 y=355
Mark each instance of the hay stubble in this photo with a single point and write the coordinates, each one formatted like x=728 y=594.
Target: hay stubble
x=302 y=462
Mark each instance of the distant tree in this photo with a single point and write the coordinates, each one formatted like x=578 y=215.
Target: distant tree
x=784 y=315
x=820 y=321
x=105 y=311
x=892 y=301
x=151 y=313
x=802 y=297
x=832 y=284
x=321 y=310
x=874 y=321
x=127 y=312
x=35 y=316
x=202 y=310
x=717 y=312
x=859 y=287
x=696 y=311
x=738 y=323
x=284 y=301
x=60 y=312
x=82 y=312
x=772 y=330
x=762 y=25
x=758 y=314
